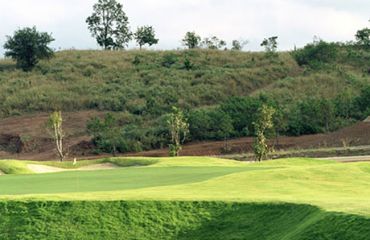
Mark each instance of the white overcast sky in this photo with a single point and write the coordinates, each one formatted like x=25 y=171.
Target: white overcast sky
x=296 y=22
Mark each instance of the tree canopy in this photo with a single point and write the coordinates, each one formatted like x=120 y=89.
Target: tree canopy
x=145 y=35
x=191 y=40
x=109 y=25
x=27 y=46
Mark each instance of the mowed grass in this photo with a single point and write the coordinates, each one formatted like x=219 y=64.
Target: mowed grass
x=327 y=184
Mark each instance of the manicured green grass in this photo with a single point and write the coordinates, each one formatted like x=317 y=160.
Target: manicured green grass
x=188 y=198
x=140 y=220
x=327 y=184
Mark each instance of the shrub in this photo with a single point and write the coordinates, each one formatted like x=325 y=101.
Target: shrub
x=315 y=54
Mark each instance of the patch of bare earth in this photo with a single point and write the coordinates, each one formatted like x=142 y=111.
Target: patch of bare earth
x=2 y=173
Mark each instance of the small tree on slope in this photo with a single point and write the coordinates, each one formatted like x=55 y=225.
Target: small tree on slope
x=263 y=123
x=179 y=128
x=145 y=35
x=55 y=123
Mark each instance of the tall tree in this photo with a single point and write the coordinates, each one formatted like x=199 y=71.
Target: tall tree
x=191 y=40
x=263 y=123
x=238 y=45
x=27 y=46
x=363 y=37
x=179 y=128
x=109 y=25
x=145 y=35
x=55 y=126
x=213 y=43
x=270 y=44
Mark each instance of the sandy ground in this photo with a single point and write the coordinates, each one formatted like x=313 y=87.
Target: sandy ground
x=103 y=166
x=44 y=169
x=349 y=159
x=47 y=169
x=1 y=173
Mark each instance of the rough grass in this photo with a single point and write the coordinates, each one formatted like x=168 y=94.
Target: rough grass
x=176 y=220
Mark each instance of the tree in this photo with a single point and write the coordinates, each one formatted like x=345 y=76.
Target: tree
x=363 y=37
x=213 y=43
x=145 y=35
x=238 y=45
x=27 y=46
x=54 y=124
x=106 y=133
x=109 y=25
x=179 y=128
x=263 y=123
x=270 y=45
x=191 y=40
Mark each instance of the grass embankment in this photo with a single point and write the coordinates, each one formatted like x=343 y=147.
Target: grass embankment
x=234 y=200
x=176 y=220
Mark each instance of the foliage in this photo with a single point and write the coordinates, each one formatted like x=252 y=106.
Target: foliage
x=169 y=60
x=145 y=35
x=363 y=37
x=178 y=128
x=363 y=103
x=213 y=43
x=212 y=124
x=55 y=124
x=27 y=46
x=106 y=133
x=238 y=45
x=264 y=122
x=311 y=116
x=191 y=40
x=270 y=44
x=242 y=111
x=316 y=54
x=109 y=25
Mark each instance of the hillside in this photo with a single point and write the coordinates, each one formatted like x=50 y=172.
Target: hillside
x=148 y=82
x=140 y=87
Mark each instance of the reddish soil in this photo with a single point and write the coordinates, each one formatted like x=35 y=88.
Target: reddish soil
x=25 y=137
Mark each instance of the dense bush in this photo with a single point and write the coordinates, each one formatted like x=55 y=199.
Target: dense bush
x=242 y=111
x=210 y=124
x=315 y=54
x=363 y=103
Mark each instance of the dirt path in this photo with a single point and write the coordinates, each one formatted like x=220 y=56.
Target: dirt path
x=349 y=159
x=36 y=168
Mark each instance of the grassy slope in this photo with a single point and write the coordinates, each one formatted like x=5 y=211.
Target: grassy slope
x=176 y=220
x=76 y=80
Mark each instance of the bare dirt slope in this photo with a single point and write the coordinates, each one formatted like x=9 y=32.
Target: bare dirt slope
x=25 y=137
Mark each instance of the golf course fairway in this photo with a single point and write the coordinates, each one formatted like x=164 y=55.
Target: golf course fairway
x=186 y=198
